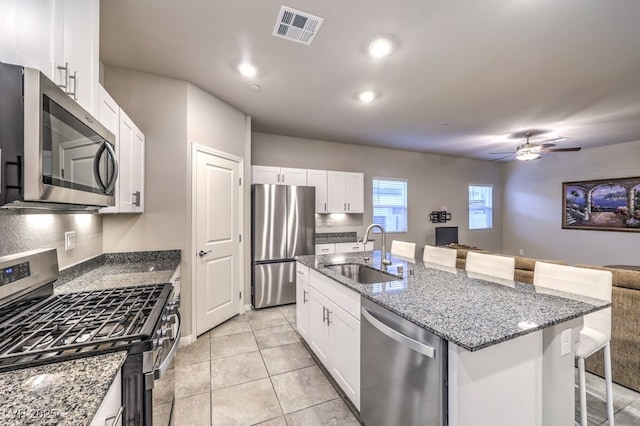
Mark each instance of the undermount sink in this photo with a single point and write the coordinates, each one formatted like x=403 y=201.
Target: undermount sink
x=362 y=273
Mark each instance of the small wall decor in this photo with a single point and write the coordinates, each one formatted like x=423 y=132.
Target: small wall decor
x=439 y=216
x=602 y=205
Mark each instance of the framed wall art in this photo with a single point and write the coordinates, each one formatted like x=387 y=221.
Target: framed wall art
x=602 y=205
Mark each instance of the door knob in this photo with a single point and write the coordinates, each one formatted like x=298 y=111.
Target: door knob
x=203 y=253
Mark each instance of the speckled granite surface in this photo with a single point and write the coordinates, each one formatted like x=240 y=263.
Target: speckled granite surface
x=119 y=270
x=469 y=311
x=64 y=393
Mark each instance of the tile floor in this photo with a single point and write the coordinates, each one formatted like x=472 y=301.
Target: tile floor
x=253 y=370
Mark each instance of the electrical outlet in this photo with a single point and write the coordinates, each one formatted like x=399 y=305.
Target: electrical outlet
x=565 y=342
x=329 y=223
x=69 y=240
x=319 y=223
x=521 y=251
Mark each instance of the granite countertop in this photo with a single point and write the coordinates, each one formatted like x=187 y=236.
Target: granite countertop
x=70 y=392
x=64 y=393
x=119 y=270
x=471 y=311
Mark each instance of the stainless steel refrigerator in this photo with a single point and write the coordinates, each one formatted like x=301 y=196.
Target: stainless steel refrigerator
x=282 y=227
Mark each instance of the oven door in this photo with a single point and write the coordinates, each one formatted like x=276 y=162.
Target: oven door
x=69 y=155
x=162 y=395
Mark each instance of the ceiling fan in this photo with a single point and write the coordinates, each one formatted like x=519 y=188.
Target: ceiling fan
x=531 y=151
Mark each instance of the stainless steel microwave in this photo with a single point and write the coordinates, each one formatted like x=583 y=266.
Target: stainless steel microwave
x=53 y=154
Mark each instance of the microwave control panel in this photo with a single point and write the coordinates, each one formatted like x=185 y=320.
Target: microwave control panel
x=14 y=273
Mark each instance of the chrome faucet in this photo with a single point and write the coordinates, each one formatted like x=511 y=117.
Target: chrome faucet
x=385 y=262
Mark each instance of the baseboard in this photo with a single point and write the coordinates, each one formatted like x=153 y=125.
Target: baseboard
x=185 y=340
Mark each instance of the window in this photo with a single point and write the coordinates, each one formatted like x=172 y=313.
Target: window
x=480 y=206
x=390 y=204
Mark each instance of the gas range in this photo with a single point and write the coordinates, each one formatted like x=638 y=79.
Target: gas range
x=66 y=326
x=38 y=327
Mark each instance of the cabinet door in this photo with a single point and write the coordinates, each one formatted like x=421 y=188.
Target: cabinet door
x=127 y=137
x=27 y=30
x=137 y=171
x=318 y=179
x=325 y=248
x=349 y=247
x=109 y=116
x=345 y=352
x=290 y=176
x=111 y=404
x=81 y=50
x=318 y=328
x=266 y=174
x=302 y=308
x=354 y=183
x=336 y=192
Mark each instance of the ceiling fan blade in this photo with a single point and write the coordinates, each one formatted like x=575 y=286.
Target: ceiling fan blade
x=499 y=153
x=502 y=158
x=561 y=149
x=547 y=145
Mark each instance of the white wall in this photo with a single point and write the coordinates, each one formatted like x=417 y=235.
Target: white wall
x=433 y=181
x=22 y=232
x=533 y=203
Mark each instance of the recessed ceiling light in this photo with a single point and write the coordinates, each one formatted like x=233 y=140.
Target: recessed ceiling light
x=380 y=47
x=366 y=96
x=247 y=70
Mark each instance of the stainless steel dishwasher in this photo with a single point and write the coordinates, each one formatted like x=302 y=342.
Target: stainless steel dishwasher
x=403 y=376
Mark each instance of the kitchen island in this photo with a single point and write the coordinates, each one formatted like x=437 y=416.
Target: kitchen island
x=504 y=337
x=72 y=392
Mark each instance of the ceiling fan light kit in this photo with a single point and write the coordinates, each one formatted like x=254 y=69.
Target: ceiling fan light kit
x=531 y=151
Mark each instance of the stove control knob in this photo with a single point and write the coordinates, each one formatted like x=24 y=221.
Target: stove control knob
x=168 y=319
x=172 y=308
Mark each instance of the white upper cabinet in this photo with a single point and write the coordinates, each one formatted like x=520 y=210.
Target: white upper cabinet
x=48 y=35
x=345 y=192
x=318 y=179
x=109 y=116
x=79 y=60
x=130 y=143
x=131 y=159
x=279 y=175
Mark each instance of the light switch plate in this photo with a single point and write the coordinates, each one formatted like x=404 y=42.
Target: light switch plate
x=69 y=240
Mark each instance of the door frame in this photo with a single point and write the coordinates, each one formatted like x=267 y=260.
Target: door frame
x=195 y=149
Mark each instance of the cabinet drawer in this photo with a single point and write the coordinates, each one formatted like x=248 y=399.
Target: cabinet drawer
x=342 y=296
x=302 y=272
x=353 y=247
x=325 y=248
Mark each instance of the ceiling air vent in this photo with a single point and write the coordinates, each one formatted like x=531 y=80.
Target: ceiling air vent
x=296 y=26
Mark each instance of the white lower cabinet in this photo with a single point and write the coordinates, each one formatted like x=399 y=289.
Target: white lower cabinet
x=353 y=247
x=325 y=248
x=334 y=331
x=108 y=411
x=302 y=301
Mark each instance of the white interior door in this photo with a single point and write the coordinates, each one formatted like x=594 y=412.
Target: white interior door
x=217 y=208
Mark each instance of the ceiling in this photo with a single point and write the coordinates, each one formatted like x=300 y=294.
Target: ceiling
x=463 y=76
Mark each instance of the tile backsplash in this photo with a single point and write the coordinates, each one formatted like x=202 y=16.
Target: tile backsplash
x=22 y=232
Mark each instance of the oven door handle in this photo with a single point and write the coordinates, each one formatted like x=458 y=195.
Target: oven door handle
x=159 y=372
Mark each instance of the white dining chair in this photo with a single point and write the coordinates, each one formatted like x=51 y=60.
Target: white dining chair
x=596 y=332
x=403 y=248
x=440 y=255
x=490 y=264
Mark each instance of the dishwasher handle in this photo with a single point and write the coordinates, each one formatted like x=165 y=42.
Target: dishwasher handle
x=412 y=344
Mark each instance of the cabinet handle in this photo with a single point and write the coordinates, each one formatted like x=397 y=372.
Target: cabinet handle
x=283 y=178
x=278 y=177
x=349 y=206
x=325 y=207
x=136 y=196
x=324 y=312
x=115 y=418
x=74 y=77
x=304 y=296
x=65 y=80
x=328 y=319
x=345 y=206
